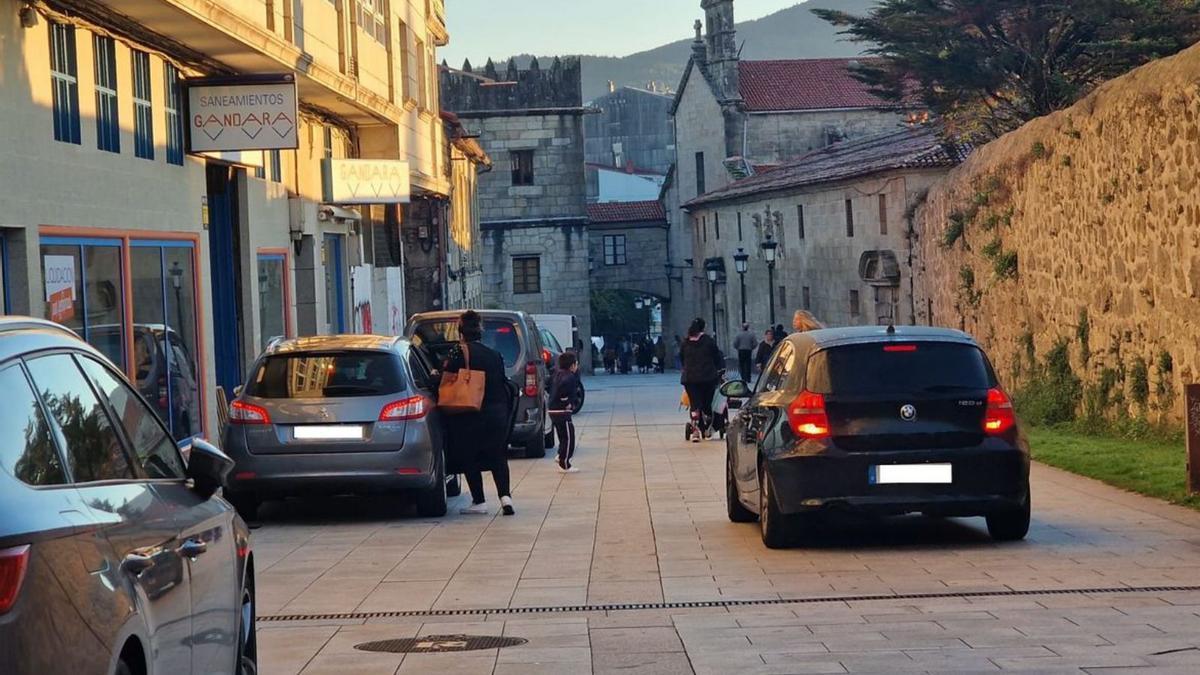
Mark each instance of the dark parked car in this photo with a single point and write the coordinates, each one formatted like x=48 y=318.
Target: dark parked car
x=517 y=338
x=552 y=350
x=885 y=421
x=116 y=555
x=337 y=414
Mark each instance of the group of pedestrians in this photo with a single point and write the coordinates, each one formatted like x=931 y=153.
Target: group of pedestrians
x=642 y=354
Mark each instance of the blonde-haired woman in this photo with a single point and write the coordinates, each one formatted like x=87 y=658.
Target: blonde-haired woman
x=803 y=321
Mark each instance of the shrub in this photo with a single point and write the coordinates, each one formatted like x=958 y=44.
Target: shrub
x=954 y=230
x=992 y=249
x=1139 y=382
x=1005 y=265
x=1038 y=150
x=991 y=222
x=1082 y=334
x=966 y=279
x=1052 y=395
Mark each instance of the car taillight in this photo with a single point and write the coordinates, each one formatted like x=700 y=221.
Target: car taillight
x=999 y=417
x=546 y=356
x=405 y=409
x=531 y=379
x=807 y=417
x=13 y=563
x=241 y=412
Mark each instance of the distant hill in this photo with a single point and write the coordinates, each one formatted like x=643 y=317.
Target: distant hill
x=793 y=33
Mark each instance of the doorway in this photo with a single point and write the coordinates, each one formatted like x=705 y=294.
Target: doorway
x=335 y=285
x=224 y=254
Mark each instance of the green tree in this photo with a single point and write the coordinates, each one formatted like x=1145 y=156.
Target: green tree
x=984 y=67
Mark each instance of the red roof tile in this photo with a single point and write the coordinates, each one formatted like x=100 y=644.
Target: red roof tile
x=626 y=212
x=804 y=84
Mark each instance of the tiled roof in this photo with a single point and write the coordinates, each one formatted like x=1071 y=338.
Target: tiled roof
x=804 y=84
x=626 y=212
x=907 y=148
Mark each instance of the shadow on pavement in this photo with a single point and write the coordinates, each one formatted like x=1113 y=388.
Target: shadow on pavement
x=850 y=532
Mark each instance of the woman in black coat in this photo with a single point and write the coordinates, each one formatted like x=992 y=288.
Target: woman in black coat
x=478 y=441
x=702 y=366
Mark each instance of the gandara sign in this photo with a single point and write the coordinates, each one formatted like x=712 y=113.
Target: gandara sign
x=227 y=114
x=366 y=181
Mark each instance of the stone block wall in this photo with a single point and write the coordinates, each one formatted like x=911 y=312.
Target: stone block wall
x=779 y=137
x=1082 y=227
x=560 y=186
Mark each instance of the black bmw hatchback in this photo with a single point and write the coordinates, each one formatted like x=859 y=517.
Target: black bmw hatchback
x=876 y=420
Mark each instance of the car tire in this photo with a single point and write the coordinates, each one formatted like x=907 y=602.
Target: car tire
x=536 y=447
x=549 y=442
x=777 y=529
x=247 y=654
x=246 y=506
x=431 y=502
x=454 y=486
x=1010 y=525
x=737 y=512
x=579 y=401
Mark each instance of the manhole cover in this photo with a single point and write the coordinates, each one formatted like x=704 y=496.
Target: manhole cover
x=440 y=643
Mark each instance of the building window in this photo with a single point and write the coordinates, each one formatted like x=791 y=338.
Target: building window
x=65 y=83
x=522 y=167
x=275 y=164
x=739 y=225
x=849 y=218
x=273 y=296
x=372 y=19
x=172 y=106
x=422 y=90
x=328 y=142
x=260 y=171
x=402 y=40
x=143 y=115
x=854 y=310
x=108 y=123
x=527 y=275
x=717 y=225
x=883 y=214
x=699 y=173
x=806 y=298
x=800 y=219
x=704 y=228
x=614 y=249
x=783 y=296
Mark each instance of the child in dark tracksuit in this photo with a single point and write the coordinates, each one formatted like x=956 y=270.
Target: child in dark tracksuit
x=564 y=391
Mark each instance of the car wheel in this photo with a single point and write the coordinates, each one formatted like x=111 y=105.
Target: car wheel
x=737 y=512
x=453 y=486
x=1010 y=525
x=246 y=506
x=536 y=447
x=776 y=528
x=431 y=502
x=247 y=656
x=579 y=401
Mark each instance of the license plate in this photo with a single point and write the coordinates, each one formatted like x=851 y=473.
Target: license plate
x=340 y=432
x=911 y=474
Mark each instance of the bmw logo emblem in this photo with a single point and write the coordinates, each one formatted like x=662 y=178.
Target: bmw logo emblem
x=908 y=412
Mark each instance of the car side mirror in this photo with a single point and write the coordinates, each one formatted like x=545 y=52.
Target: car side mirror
x=237 y=391
x=208 y=468
x=736 y=390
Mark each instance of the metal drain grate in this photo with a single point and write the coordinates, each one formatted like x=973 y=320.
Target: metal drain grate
x=436 y=644
x=356 y=616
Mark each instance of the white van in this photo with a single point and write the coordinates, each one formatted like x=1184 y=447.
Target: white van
x=564 y=327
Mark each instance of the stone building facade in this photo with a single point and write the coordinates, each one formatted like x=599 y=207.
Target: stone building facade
x=1081 y=230
x=631 y=132
x=839 y=219
x=736 y=118
x=626 y=245
x=533 y=205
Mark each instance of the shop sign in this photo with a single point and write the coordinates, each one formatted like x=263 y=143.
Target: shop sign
x=242 y=113
x=60 y=286
x=365 y=181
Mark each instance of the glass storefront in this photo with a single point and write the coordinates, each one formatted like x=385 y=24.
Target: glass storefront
x=335 y=285
x=162 y=336
x=272 y=297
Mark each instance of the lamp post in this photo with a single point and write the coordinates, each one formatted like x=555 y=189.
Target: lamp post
x=768 y=248
x=712 y=268
x=177 y=282
x=739 y=263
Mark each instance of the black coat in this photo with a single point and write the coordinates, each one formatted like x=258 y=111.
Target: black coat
x=702 y=360
x=479 y=439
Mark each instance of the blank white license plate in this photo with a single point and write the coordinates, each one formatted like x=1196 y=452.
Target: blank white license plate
x=911 y=474
x=339 y=432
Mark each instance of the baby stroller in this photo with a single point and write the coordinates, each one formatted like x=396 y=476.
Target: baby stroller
x=719 y=415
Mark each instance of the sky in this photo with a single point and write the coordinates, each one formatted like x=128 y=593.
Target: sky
x=482 y=29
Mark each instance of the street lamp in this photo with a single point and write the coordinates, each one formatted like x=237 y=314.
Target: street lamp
x=176 y=272
x=768 y=248
x=637 y=304
x=713 y=267
x=739 y=263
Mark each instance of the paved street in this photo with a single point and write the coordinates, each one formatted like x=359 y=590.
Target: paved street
x=644 y=523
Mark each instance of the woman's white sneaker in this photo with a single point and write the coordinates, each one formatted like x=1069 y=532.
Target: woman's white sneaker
x=476 y=510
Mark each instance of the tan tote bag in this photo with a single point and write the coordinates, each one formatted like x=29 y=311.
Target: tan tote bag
x=462 y=392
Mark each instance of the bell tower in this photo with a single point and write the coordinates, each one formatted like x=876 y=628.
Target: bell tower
x=721 y=46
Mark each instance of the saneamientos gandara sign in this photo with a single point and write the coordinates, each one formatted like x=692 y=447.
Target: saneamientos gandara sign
x=242 y=116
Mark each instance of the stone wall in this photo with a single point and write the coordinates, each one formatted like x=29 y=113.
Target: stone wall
x=779 y=137
x=645 y=247
x=560 y=185
x=640 y=121
x=1081 y=227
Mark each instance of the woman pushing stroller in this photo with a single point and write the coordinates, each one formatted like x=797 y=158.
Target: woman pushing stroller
x=702 y=368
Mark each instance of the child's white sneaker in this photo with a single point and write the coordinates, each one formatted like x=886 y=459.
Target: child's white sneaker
x=506 y=506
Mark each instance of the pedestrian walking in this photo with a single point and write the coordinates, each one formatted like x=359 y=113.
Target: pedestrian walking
x=677 y=353
x=702 y=366
x=660 y=353
x=564 y=392
x=744 y=344
x=623 y=354
x=479 y=440
x=765 y=349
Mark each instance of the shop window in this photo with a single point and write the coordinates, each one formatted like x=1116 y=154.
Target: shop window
x=171 y=106
x=83 y=284
x=522 y=167
x=614 y=249
x=65 y=83
x=143 y=118
x=272 y=297
x=335 y=286
x=108 y=123
x=527 y=275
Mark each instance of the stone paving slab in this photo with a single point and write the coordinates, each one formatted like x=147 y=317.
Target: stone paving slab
x=644 y=522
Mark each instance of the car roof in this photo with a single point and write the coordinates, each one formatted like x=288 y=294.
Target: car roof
x=836 y=337
x=324 y=343
x=453 y=314
x=23 y=334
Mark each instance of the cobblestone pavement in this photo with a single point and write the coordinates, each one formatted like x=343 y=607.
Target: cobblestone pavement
x=644 y=523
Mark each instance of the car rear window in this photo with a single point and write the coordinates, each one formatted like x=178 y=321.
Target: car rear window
x=498 y=334
x=327 y=375
x=898 y=367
